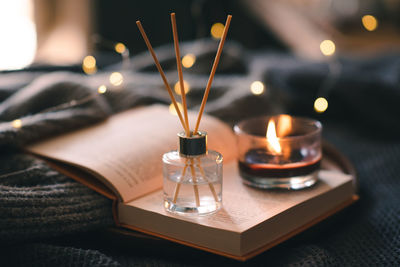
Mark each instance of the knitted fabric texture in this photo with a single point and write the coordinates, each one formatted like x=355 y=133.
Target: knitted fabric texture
x=46 y=218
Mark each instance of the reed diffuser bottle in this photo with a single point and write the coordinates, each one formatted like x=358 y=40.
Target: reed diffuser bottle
x=192 y=177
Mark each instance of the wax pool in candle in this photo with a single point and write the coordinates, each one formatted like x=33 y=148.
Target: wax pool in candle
x=261 y=163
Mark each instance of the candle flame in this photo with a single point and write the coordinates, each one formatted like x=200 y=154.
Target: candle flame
x=284 y=125
x=272 y=140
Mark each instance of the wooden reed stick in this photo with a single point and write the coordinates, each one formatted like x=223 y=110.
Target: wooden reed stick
x=183 y=95
x=169 y=90
x=195 y=187
x=180 y=74
x=212 y=189
x=178 y=184
x=214 y=68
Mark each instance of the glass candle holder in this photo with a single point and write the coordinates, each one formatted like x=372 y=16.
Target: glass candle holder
x=279 y=151
x=192 y=177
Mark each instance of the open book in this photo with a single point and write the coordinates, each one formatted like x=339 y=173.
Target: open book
x=121 y=159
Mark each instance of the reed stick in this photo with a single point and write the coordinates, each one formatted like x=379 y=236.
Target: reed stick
x=212 y=189
x=195 y=187
x=180 y=74
x=164 y=78
x=183 y=95
x=213 y=70
x=178 y=184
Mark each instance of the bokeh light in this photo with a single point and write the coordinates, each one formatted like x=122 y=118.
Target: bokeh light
x=177 y=87
x=188 y=60
x=257 y=88
x=116 y=78
x=120 y=48
x=172 y=109
x=369 y=22
x=217 y=30
x=327 y=47
x=16 y=124
x=89 y=62
x=320 y=104
x=89 y=65
x=102 y=89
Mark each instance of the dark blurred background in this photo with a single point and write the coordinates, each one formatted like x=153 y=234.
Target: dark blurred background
x=116 y=21
x=61 y=32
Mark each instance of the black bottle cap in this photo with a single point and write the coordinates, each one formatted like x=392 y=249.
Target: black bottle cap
x=194 y=145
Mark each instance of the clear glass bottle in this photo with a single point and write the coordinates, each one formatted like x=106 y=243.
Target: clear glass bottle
x=192 y=177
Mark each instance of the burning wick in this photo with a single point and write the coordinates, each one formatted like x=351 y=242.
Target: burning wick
x=273 y=144
x=274 y=133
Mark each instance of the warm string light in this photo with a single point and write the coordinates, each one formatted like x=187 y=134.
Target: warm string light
x=120 y=48
x=89 y=62
x=320 y=104
x=369 y=22
x=102 y=89
x=89 y=65
x=217 y=30
x=116 y=78
x=188 y=61
x=327 y=47
x=16 y=124
x=257 y=88
x=172 y=109
x=177 y=87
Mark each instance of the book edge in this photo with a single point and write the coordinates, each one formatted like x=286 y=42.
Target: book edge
x=261 y=249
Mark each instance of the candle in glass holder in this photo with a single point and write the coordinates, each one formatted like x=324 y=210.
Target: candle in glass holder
x=279 y=151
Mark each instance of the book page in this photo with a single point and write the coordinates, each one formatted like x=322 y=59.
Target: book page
x=243 y=206
x=126 y=150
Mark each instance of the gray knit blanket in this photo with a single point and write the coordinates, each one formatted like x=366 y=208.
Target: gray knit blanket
x=48 y=219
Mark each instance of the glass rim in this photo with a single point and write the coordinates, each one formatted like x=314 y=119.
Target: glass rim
x=238 y=127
